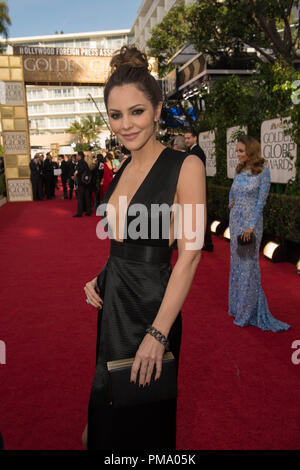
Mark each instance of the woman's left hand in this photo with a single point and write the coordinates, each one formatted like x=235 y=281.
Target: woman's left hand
x=149 y=354
x=246 y=234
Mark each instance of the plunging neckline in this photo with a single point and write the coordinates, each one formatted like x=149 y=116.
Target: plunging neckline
x=137 y=190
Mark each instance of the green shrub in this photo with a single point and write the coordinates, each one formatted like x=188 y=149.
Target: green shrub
x=233 y=101
x=82 y=147
x=281 y=212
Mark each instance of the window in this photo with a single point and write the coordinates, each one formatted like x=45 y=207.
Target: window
x=37 y=123
x=82 y=43
x=36 y=94
x=115 y=42
x=86 y=106
x=61 y=107
x=89 y=106
x=47 y=44
x=59 y=44
x=100 y=43
x=64 y=122
x=61 y=92
x=36 y=109
x=94 y=91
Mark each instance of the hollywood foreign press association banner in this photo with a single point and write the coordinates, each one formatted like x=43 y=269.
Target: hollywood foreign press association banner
x=232 y=160
x=206 y=141
x=279 y=150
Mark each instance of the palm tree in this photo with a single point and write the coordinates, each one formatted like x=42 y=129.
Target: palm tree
x=76 y=128
x=92 y=127
x=87 y=129
x=4 y=19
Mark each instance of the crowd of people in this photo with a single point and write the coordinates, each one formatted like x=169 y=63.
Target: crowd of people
x=87 y=175
x=90 y=176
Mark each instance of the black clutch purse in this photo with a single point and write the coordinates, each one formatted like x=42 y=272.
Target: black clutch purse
x=125 y=394
x=241 y=241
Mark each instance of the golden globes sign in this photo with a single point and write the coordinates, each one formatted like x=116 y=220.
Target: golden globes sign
x=206 y=141
x=66 y=69
x=38 y=65
x=14 y=122
x=279 y=150
x=53 y=65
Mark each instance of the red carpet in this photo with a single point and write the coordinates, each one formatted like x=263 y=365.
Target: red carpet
x=238 y=388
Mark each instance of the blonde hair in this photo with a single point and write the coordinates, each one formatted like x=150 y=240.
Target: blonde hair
x=90 y=162
x=253 y=151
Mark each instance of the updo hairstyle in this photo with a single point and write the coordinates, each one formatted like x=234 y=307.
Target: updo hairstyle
x=130 y=66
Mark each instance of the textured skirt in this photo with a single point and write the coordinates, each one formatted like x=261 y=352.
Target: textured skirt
x=133 y=292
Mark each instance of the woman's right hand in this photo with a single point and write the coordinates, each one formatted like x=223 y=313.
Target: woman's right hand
x=231 y=205
x=92 y=293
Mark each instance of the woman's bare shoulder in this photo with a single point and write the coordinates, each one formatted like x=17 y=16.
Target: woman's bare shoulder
x=192 y=167
x=191 y=177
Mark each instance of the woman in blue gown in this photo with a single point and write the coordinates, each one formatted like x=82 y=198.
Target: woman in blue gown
x=247 y=197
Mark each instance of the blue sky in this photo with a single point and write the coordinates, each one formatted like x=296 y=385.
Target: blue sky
x=38 y=17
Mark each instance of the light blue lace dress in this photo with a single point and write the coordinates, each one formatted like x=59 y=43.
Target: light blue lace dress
x=247 y=301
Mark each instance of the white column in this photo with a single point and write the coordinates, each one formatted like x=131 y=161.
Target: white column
x=169 y=4
x=153 y=22
x=147 y=34
x=160 y=14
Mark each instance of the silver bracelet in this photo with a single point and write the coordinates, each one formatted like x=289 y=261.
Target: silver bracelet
x=158 y=335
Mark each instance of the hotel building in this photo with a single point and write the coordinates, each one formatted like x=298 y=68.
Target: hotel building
x=150 y=13
x=52 y=109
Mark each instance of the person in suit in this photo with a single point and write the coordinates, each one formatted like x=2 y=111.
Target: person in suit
x=71 y=171
x=84 y=189
x=55 y=181
x=100 y=171
x=36 y=178
x=42 y=159
x=49 y=176
x=191 y=141
x=64 y=175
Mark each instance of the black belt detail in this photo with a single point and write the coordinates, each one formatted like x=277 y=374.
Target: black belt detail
x=145 y=253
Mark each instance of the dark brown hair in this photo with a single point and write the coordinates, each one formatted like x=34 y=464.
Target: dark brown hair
x=109 y=156
x=191 y=131
x=253 y=152
x=81 y=154
x=129 y=65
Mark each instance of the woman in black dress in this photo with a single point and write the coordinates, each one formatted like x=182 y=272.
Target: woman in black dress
x=141 y=289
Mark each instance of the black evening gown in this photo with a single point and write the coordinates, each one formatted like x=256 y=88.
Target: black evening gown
x=136 y=276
